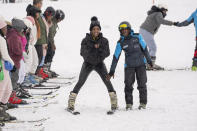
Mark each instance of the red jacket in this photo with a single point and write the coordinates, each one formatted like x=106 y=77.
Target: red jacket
x=15 y=47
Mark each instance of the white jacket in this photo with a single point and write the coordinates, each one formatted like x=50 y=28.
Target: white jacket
x=4 y=51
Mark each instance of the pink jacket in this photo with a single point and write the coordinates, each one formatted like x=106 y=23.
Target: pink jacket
x=24 y=43
x=15 y=47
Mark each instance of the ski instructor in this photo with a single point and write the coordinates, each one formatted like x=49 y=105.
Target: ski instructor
x=136 y=56
x=191 y=19
x=94 y=50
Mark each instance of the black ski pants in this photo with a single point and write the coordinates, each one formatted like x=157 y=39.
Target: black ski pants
x=50 y=54
x=86 y=70
x=39 y=50
x=140 y=74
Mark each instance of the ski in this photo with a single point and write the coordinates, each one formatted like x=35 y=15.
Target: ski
x=39 y=106
x=68 y=78
x=45 y=87
x=44 y=97
x=29 y=121
x=111 y=112
x=73 y=112
x=44 y=94
x=41 y=85
x=172 y=69
x=178 y=69
x=53 y=82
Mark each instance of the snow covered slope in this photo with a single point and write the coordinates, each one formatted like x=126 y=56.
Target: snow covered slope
x=172 y=95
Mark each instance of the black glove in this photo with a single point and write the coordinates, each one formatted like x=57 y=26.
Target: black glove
x=13 y=70
x=175 y=23
x=111 y=73
x=151 y=64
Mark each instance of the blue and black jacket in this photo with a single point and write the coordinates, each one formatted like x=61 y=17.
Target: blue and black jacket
x=191 y=19
x=136 y=52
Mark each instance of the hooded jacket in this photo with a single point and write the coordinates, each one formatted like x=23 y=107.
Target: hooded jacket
x=92 y=55
x=53 y=30
x=136 y=52
x=14 y=46
x=154 y=20
x=4 y=51
x=191 y=19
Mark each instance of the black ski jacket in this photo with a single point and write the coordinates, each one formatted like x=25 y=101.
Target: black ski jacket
x=92 y=55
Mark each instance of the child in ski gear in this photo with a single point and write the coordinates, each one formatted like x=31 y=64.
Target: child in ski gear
x=156 y=17
x=192 y=19
x=15 y=47
x=59 y=16
x=94 y=50
x=7 y=65
x=32 y=60
x=136 y=55
x=41 y=45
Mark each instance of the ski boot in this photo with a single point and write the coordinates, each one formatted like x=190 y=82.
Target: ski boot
x=11 y=106
x=15 y=100
x=71 y=101
x=142 y=106
x=114 y=101
x=194 y=65
x=155 y=66
x=4 y=116
x=22 y=93
x=129 y=107
x=32 y=79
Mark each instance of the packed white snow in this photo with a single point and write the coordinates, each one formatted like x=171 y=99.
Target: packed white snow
x=172 y=95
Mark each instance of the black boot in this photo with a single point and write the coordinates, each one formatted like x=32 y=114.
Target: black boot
x=4 y=116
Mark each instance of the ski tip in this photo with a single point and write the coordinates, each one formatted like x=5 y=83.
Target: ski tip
x=110 y=112
x=72 y=112
x=2 y=124
x=76 y=113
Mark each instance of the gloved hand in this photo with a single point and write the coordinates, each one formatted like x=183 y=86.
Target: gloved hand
x=110 y=75
x=8 y=66
x=13 y=70
x=175 y=23
x=151 y=64
x=53 y=47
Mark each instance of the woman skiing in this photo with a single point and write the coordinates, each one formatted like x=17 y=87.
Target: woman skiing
x=150 y=27
x=94 y=50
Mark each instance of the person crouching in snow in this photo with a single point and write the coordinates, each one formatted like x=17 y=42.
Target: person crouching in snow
x=136 y=55
x=192 y=19
x=150 y=27
x=94 y=50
